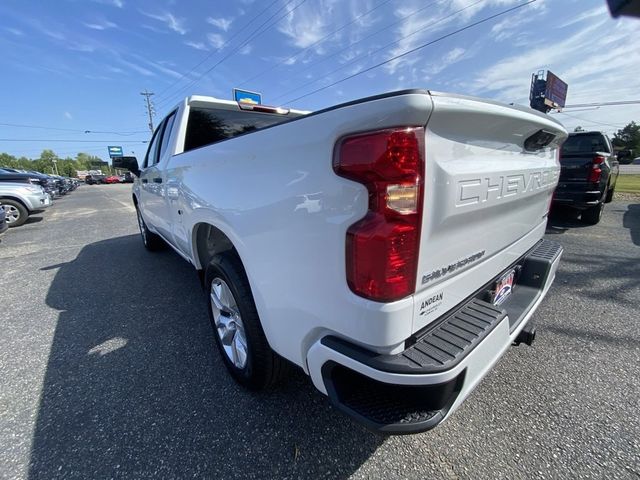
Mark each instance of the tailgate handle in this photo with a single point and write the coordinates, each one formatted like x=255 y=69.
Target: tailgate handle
x=539 y=140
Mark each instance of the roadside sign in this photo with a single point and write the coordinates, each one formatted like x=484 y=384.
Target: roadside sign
x=115 y=151
x=245 y=96
x=556 y=90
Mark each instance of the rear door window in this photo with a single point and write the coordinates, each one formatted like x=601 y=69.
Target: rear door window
x=585 y=143
x=166 y=135
x=211 y=125
x=152 y=153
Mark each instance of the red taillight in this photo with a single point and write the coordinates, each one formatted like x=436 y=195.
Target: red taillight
x=596 y=172
x=382 y=248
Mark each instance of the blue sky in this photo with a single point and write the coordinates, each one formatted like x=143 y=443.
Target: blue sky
x=77 y=65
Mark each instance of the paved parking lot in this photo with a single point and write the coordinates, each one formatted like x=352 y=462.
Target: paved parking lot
x=108 y=369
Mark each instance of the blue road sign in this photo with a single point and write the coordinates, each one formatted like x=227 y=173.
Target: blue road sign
x=115 y=151
x=245 y=96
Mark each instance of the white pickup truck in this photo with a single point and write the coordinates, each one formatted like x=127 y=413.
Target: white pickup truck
x=392 y=247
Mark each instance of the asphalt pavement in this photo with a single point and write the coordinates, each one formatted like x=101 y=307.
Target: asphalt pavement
x=108 y=370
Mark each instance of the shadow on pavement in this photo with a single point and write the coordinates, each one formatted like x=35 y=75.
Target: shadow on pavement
x=609 y=278
x=134 y=387
x=631 y=220
x=562 y=219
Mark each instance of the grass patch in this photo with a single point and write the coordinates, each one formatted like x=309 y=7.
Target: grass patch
x=628 y=184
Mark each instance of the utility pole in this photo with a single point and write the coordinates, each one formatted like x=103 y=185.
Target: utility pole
x=150 y=109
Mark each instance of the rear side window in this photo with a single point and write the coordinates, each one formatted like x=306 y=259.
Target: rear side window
x=585 y=143
x=210 y=125
x=166 y=134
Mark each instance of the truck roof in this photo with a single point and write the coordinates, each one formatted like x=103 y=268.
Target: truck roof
x=207 y=101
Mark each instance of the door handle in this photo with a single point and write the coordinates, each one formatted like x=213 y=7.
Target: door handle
x=144 y=180
x=157 y=180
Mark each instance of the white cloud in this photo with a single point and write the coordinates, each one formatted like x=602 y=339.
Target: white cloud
x=610 y=73
x=222 y=23
x=68 y=116
x=113 y=3
x=421 y=22
x=216 y=40
x=196 y=45
x=310 y=23
x=246 y=50
x=600 y=11
x=104 y=25
x=81 y=47
x=14 y=31
x=135 y=67
x=171 y=21
x=452 y=56
x=53 y=34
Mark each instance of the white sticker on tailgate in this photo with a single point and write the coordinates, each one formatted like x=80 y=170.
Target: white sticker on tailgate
x=431 y=304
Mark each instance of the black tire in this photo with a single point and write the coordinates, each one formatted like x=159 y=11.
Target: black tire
x=150 y=240
x=592 y=216
x=16 y=212
x=264 y=368
x=609 y=197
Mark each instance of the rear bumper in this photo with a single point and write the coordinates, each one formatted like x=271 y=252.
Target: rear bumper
x=417 y=389
x=577 y=195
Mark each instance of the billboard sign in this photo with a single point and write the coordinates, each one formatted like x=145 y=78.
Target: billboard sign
x=115 y=151
x=245 y=96
x=556 y=91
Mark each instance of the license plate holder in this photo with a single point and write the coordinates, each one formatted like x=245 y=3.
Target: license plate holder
x=503 y=287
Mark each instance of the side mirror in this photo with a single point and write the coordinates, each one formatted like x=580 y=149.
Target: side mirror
x=127 y=163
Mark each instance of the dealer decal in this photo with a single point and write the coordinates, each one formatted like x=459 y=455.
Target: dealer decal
x=431 y=304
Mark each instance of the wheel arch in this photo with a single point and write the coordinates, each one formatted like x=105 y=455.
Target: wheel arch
x=207 y=241
x=15 y=199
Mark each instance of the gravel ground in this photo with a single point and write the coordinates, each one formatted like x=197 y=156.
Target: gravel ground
x=107 y=370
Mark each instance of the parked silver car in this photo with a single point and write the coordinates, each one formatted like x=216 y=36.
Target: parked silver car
x=21 y=200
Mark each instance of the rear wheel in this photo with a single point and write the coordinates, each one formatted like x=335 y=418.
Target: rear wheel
x=609 y=197
x=151 y=241
x=592 y=216
x=237 y=328
x=15 y=212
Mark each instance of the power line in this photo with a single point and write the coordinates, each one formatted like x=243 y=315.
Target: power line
x=256 y=34
x=603 y=104
x=69 y=129
x=408 y=52
x=357 y=59
x=400 y=20
x=286 y=60
x=208 y=56
x=591 y=121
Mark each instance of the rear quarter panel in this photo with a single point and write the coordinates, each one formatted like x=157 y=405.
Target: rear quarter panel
x=276 y=196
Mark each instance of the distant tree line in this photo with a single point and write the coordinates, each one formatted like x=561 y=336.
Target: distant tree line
x=48 y=161
x=628 y=138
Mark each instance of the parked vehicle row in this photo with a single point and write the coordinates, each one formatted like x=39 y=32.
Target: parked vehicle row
x=110 y=179
x=24 y=192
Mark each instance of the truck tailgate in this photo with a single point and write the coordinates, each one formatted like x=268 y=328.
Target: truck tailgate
x=483 y=190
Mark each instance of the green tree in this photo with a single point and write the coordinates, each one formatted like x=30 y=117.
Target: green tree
x=628 y=138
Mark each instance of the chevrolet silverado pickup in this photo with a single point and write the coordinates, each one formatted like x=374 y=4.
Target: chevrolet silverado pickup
x=392 y=247
x=588 y=174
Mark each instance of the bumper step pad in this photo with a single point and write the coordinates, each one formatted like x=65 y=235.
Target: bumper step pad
x=437 y=350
